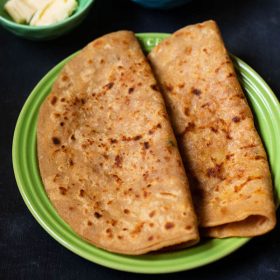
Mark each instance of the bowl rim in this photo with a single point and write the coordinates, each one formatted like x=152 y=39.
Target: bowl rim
x=13 y=24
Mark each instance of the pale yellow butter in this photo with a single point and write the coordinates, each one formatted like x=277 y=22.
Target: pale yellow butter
x=21 y=11
x=53 y=12
x=40 y=12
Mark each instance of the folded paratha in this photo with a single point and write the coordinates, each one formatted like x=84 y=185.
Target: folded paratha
x=228 y=168
x=107 y=153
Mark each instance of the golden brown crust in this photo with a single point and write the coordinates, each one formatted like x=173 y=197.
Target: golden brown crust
x=107 y=153
x=229 y=172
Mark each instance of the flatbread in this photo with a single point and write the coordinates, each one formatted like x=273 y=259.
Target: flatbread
x=228 y=167
x=107 y=153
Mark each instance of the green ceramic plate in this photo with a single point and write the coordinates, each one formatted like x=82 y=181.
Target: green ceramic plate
x=267 y=115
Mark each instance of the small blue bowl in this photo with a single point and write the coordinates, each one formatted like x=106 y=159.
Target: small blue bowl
x=161 y=4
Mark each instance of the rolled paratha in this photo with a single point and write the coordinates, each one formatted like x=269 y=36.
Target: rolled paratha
x=107 y=153
x=228 y=167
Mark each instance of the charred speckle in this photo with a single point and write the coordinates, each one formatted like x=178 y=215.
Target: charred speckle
x=236 y=119
x=146 y=145
x=53 y=101
x=169 y=87
x=118 y=161
x=230 y=75
x=259 y=157
x=215 y=171
x=215 y=130
x=181 y=85
x=217 y=70
x=64 y=78
x=102 y=61
x=71 y=162
x=89 y=223
x=151 y=214
x=145 y=193
x=109 y=85
x=169 y=225
x=150 y=238
x=83 y=101
x=120 y=237
x=145 y=175
x=196 y=91
x=154 y=87
x=126 y=211
x=62 y=124
x=138 y=228
x=82 y=193
x=73 y=137
x=229 y=156
x=137 y=137
x=241 y=96
x=62 y=190
x=56 y=140
x=188 y=128
x=188 y=227
x=97 y=215
x=151 y=131
x=62 y=99
x=227 y=61
x=113 y=141
x=76 y=101
x=130 y=90
x=249 y=146
x=228 y=136
x=186 y=111
x=171 y=143
x=117 y=178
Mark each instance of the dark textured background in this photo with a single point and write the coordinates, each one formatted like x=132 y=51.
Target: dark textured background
x=251 y=30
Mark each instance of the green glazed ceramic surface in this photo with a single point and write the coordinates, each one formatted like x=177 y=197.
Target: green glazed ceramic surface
x=45 y=32
x=267 y=116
